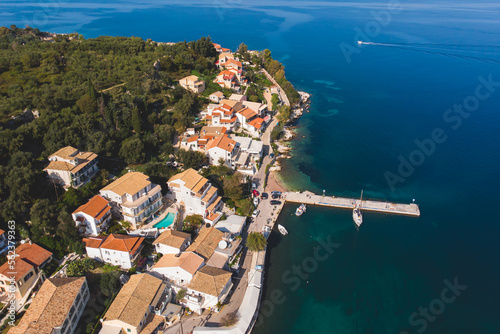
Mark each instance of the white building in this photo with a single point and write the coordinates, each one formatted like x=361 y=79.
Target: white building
x=172 y=242
x=232 y=225
x=249 y=121
x=178 y=268
x=248 y=155
x=116 y=249
x=135 y=196
x=221 y=147
x=138 y=305
x=196 y=194
x=93 y=217
x=193 y=84
x=72 y=168
x=216 y=97
x=57 y=307
x=208 y=287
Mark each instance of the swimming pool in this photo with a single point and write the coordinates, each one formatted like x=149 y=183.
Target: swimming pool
x=166 y=221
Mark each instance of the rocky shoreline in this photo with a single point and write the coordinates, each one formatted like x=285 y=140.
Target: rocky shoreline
x=289 y=130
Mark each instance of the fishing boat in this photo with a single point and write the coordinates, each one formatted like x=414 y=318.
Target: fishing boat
x=282 y=229
x=356 y=213
x=300 y=210
x=360 y=42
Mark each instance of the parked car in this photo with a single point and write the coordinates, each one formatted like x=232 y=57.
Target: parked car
x=255 y=213
x=254 y=185
x=276 y=193
x=255 y=193
x=276 y=196
x=275 y=202
x=255 y=201
x=264 y=196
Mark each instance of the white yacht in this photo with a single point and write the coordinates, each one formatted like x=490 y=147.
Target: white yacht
x=282 y=229
x=356 y=213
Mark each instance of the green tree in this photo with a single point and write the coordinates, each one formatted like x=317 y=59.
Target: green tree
x=192 y=222
x=256 y=242
x=43 y=217
x=109 y=283
x=86 y=104
x=232 y=186
x=243 y=48
x=181 y=294
x=275 y=101
x=80 y=267
x=136 y=121
x=284 y=114
x=132 y=150
x=191 y=159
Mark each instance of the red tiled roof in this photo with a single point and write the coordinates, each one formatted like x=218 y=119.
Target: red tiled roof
x=33 y=253
x=247 y=113
x=1 y=231
x=118 y=242
x=222 y=142
x=256 y=123
x=96 y=207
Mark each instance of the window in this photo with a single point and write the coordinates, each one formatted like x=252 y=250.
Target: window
x=128 y=330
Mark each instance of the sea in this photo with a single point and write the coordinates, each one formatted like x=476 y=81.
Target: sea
x=411 y=114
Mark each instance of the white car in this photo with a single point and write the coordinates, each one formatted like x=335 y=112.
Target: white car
x=255 y=213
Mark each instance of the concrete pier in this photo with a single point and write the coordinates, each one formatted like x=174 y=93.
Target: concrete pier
x=349 y=203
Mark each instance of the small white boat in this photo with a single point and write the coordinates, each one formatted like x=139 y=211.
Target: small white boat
x=360 y=42
x=300 y=210
x=356 y=213
x=282 y=229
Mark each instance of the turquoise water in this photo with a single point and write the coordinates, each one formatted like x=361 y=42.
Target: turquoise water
x=365 y=116
x=166 y=221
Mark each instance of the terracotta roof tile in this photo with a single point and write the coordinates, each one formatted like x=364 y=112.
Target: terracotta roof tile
x=206 y=242
x=172 y=238
x=188 y=261
x=210 y=280
x=96 y=206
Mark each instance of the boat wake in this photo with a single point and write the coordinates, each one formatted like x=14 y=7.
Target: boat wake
x=458 y=51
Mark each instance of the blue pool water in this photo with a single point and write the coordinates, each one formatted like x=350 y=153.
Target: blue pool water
x=165 y=222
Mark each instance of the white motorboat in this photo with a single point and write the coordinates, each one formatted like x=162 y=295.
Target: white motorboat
x=356 y=213
x=282 y=229
x=300 y=210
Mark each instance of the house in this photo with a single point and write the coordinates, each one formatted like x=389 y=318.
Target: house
x=231 y=63
x=57 y=307
x=213 y=130
x=224 y=57
x=193 y=84
x=196 y=194
x=217 y=47
x=249 y=121
x=116 y=249
x=275 y=90
x=93 y=217
x=223 y=115
x=233 y=225
x=196 y=143
x=208 y=287
x=258 y=107
x=248 y=155
x=216 y=97
x=24 y=274
x=178 y=268
x=173 y=312
x=206 y=242
x=236 y=105
x=172 y=242
x=238 y=97
x=71 y=168
x=222 y=147
x=228 y=79
x=135 y=196
x=137 y=306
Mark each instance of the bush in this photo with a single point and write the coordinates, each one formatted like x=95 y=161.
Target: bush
x=80 y=267
x=256 y=242
x=181 y=294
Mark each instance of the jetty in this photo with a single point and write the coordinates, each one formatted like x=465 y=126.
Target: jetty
x=310 y=198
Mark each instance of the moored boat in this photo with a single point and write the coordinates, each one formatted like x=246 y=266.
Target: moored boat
x=282 y=229
x=300 y=210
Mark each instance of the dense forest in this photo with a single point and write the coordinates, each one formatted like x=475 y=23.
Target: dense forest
x=115 y=96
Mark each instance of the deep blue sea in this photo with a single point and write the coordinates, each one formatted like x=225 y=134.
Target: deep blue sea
x=414 y=115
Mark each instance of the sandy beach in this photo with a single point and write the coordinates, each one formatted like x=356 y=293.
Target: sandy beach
x=274 y=183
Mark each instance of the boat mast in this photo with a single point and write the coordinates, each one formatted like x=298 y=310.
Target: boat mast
x=361 y=199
